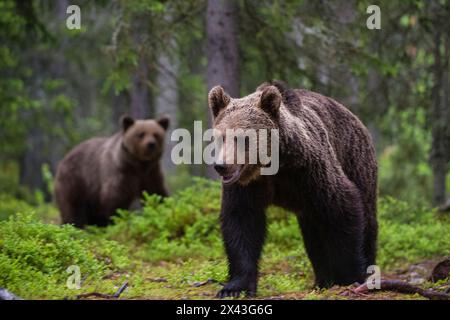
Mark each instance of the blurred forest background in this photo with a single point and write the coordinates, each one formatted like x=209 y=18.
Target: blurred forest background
x=148 y=57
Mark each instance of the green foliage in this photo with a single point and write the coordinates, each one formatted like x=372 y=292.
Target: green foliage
x=16 y=198
x=34 y=256
x=48 y=177
x=9 y=179
x=13 y=94
x=410 y=233
x=176 y=227
x=11 y=205
x=404 y=172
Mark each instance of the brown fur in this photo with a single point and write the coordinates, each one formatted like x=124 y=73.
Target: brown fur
x=327 y=176
x=101 y=175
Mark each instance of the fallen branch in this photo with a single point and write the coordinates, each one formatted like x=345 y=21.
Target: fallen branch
x=203 y=283
x=157 y=279
x=402 y=287
x=95 y=294
x=104 y=295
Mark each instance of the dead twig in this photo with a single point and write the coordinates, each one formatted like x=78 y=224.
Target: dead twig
x=104 y=295
x=95 y=294
x=121 y=289
x=201 y=284
x=157 y=279
x=401 y=287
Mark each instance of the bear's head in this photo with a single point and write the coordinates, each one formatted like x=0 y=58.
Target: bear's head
x=244 y=126
x=144 y=139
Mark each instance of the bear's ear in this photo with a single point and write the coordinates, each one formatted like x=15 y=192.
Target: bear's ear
x=271 y=100
x=126 y=121
x=164 y=121
x=217 y=100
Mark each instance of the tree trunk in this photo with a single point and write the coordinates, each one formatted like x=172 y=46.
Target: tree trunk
x=222 y=51
x=166 y=101
x=346 y=18
x=440 y=153
x=42 y=147
x=139 y=92
x=119 y=105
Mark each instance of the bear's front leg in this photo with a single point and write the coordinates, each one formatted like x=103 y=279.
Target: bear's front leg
x=112 y=197
x=243 y=224
x=154 y=183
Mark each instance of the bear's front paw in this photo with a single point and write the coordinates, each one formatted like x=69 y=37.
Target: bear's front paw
x=235 y=288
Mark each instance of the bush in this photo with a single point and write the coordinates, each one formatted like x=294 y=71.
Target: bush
x=410 y=233
x=34 y=256
x=9 y=205
x=404 y=171
x=184 y=225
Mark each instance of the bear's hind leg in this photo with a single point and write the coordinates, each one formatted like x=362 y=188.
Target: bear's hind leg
x=334 y=237
x=370 y=247
x=336 y=255
x=73 y=213
x=315 y=250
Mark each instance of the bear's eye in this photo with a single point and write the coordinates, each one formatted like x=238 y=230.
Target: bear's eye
x=141 y=135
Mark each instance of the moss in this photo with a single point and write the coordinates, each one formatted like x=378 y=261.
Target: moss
x=34 y=257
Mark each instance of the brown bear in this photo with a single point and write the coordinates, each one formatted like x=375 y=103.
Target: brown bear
x=327 y=176
x=101 y=175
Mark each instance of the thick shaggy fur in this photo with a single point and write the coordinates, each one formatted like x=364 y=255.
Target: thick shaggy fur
x=327 y=177
x=102 y=175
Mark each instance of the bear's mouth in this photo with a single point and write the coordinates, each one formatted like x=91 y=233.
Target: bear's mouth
x=233 y=177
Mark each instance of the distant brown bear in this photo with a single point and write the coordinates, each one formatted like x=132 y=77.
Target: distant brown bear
x=327 y=176
x=102 y=175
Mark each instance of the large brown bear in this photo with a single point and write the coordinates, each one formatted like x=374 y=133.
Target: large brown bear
x=327 y=176
x=101 y=175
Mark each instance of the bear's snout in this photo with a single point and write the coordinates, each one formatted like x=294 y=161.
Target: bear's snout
x=220 y=168
x=229 y=173
x=151 y=146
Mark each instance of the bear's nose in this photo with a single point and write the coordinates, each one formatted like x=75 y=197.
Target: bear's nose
x=220 y=168
x=151 y=145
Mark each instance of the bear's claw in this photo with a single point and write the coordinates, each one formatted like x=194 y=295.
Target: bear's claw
x=234 y=291
x=226 y=293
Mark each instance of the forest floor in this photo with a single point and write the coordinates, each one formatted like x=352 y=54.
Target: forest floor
x=158 y=287
x=173 y=249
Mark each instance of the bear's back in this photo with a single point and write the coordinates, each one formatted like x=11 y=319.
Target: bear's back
x=86 y=150
x=349 y=138
x=82 y=165
x=347 y=134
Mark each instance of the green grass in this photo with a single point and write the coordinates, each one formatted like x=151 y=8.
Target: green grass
x=167 y=247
